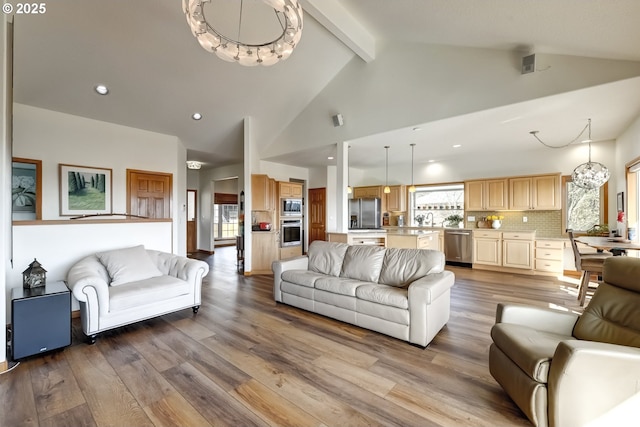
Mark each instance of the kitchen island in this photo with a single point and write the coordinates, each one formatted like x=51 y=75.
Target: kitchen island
x=375 y=237
x=413 y=239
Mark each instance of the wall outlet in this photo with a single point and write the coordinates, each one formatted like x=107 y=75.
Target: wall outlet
x=525 y=219
x=471 y=218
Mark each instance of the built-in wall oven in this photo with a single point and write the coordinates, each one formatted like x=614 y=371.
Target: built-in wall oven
x=290 y=232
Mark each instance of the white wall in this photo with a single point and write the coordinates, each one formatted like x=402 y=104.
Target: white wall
x=5 y=170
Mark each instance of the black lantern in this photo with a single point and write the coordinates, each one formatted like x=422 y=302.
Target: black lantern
x=34 y=276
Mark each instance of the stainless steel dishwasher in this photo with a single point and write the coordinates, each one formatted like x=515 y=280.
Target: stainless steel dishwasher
x=458 y=245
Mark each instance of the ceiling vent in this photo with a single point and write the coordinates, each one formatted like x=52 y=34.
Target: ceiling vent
x=529 y=64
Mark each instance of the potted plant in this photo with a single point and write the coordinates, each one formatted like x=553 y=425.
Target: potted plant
x=454 y=220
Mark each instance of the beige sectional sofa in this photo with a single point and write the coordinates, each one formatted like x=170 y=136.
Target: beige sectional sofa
x=404 y=293
x=123 y=286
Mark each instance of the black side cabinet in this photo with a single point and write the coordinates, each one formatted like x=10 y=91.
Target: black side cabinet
x=40 y=319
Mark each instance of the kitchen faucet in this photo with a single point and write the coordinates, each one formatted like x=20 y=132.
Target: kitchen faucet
x=427 y=217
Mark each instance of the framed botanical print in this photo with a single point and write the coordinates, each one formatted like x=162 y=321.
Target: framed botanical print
x=84 y=190
x=26 y=189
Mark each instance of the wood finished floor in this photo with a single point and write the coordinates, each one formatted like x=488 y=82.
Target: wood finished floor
x=244 y=360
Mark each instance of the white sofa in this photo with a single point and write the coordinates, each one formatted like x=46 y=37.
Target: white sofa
x=123 y=286
x=404 y=293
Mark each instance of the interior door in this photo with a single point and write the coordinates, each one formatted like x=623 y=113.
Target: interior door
x=149 y=193
x=317 y=214
x=192 y=227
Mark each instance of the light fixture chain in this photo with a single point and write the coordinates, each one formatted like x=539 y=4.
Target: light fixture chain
x=535 y=135
x=240 y=20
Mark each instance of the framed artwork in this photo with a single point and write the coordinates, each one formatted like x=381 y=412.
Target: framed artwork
x=84 y=190
x=621 y=201
x=26 y=189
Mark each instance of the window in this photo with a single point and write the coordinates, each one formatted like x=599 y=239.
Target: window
x=583 y=208
x=225 y=221
x=440 y=201
x=633 y=200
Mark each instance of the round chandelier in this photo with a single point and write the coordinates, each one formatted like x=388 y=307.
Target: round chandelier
x=588 y=175
x=288 y=14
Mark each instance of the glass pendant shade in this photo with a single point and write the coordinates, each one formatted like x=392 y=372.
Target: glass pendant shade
x=289 y=17
x=349 y=189
x=590 y=175
x=412 y=188
x=387 y=189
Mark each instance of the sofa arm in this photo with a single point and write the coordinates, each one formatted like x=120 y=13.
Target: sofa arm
x=588 y=379
x=190 y=270
x=540 y=318
x=429 y=306
x=296 y=263
x=87 y=280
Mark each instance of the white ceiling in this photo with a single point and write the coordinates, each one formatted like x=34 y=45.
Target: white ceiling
x=159 y=75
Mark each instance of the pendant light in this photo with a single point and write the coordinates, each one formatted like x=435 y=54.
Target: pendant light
x=412 y=188
x=591 y=174
x=387 y=190
x=349 y=189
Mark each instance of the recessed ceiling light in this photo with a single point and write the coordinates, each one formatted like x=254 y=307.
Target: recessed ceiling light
x=102 y=89
x=431 y=161
x=196 y=116
x=457 y=146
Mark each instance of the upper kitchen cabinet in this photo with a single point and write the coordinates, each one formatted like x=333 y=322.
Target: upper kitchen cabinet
x=396 y=198
x=263 y=191
x=486 y=195
x=535 y=193
x=290 y=189
x=367 y=192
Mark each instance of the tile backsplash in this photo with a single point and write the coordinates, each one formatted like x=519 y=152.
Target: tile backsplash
x=545 y=223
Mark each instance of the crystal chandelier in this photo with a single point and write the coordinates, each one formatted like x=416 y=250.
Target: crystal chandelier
x=587 y=175
x=288 y=14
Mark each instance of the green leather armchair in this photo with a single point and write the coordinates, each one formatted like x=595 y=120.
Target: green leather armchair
x=564 y=369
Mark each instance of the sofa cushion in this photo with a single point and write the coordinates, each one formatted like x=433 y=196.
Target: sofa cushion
x=403 y=266
x=297 y=290
x=384 y=294
x=326 y=257
x=148 y=291
x=301 y=277
x=363 y=263
x=128 y=265
x=339 y=285
x=611 y=317
x=530 y=349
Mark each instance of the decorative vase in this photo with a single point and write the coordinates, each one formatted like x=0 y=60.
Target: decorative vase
x=496 y=223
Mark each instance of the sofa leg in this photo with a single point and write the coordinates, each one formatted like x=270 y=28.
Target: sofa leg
x=91 y=339
x=195 y=309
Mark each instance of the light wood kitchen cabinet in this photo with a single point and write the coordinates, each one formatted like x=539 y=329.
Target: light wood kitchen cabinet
x=264 y=251
x=535 y=193
x=396 y=198
x=517 y=250
x=549 y=256
x=367 y=192
x=414 y=241
x=487 y=247
x=262 y=193
x=486 y=195
x=289 y=189
x=290 y=252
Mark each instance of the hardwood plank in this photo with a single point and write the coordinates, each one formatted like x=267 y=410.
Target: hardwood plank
x=363 y=378
x=17 y=402
x=74 y=417
x=147 y=385
x=107 y=397
x=54 y=386
x=175 y=410
x=209 y=399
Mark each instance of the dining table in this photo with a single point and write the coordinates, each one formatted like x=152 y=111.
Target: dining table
x=616 y=245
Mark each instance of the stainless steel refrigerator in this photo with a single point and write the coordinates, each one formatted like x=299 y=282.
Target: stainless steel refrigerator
x=364 y=213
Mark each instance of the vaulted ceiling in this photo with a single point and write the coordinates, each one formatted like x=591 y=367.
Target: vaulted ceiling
x=158 y=75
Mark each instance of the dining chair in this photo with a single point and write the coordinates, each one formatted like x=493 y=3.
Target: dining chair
x=588 y=263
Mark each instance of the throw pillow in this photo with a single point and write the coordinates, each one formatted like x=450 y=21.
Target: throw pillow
x=128 y=265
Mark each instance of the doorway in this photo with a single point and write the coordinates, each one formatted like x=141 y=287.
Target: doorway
x=317 y=214
x=192 y=223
